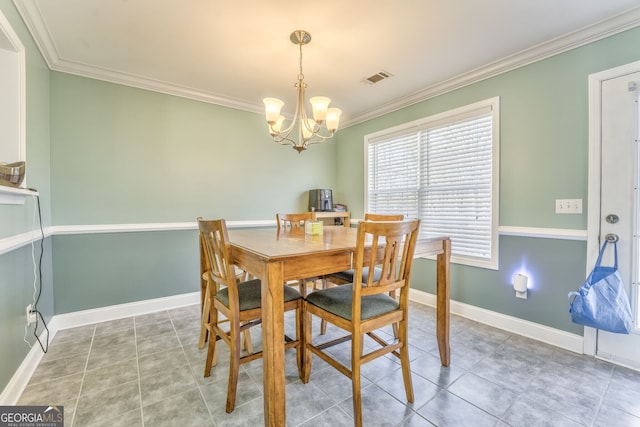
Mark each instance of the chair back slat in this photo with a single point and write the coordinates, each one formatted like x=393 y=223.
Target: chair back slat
x=392 y=248
x=294 y=220
x=217 y=252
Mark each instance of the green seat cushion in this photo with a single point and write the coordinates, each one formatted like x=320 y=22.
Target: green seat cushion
x=337 y=300
x=249 y=294
x=347 y=275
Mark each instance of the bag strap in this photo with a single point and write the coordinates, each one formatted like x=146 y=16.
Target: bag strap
x=615 y=254
x=571 y=296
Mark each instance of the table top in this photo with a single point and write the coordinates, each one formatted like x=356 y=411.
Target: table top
x=270 y=242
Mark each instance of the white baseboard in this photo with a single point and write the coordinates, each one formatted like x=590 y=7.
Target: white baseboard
x=627 y=363
x=113 y=312
x=21 y=377
x=536 y=331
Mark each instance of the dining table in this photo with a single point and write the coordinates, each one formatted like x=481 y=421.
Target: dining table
x=278 y=257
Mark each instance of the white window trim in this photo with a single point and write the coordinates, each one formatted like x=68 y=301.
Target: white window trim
x=447 y=116
x=13 y=147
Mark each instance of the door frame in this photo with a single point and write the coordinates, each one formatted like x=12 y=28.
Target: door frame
x=593 y=192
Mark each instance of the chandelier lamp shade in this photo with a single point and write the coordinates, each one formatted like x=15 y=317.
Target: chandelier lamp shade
x=321 y=127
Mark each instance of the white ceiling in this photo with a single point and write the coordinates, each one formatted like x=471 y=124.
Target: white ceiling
x=234 y=53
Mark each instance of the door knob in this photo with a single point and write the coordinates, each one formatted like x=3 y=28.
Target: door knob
x=611 y=237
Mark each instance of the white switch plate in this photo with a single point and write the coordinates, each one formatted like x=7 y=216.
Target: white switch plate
x=568 y=206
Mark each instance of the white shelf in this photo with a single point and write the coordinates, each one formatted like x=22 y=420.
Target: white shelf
x=14 y=196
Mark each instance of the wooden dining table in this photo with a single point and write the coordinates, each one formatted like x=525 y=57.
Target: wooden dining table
x=277 y=257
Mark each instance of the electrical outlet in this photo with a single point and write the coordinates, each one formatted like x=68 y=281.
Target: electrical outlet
x=568 y=206
x=31 y=315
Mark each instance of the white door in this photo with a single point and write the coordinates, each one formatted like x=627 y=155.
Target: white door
x=617 y=215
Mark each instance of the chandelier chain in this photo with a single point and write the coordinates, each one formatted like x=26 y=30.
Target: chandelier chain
x=300 y=74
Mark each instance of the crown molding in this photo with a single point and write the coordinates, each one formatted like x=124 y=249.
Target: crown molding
x=33 y=19
x=159 y=86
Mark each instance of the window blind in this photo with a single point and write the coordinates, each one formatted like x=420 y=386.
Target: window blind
x=441 y=172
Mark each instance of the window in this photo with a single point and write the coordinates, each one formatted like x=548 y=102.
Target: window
x=442 y=169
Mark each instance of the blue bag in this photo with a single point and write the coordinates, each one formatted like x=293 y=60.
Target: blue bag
x=601 y=302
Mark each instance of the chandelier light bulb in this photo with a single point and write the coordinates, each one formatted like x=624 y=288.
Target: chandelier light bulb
x=308 y=128
x=320 y=104
x=272 y=107
x=333 y=119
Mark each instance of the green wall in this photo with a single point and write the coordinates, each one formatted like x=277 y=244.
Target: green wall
x=125 y=155
x=554 y=268
x=99 y=270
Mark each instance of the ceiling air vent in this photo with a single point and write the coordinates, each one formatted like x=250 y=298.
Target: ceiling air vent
x=377 y=77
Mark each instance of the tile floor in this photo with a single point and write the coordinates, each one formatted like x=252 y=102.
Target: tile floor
x=147 y=371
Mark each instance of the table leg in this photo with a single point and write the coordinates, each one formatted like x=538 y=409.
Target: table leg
x=442 y=309
x=273 y=345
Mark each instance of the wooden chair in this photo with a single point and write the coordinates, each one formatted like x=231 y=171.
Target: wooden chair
x=365 y=306
x=344 y=277
x=294 y=220
x=297 y=220
x=240 y=303
x=205 y=312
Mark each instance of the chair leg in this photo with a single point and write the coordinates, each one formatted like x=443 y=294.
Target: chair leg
x=323 y=323
x=404 y=361
x=211 y=349
x=206 y=306
x=396 y=334
x=234 y=368
x=300 y=348
x=246 y=341
x=306 y=339
x=356 y=354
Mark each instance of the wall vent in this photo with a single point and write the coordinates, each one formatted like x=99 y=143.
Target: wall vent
x=378 y=77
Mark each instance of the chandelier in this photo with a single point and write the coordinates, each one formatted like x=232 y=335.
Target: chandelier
x=309 y=130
